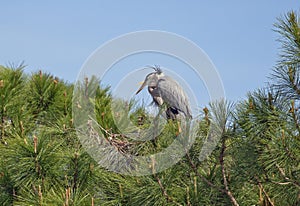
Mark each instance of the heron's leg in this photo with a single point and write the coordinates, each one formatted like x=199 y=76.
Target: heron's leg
x=156 y=124
x=178 y=127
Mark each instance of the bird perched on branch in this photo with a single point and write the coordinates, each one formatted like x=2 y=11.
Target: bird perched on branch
x=166 y=91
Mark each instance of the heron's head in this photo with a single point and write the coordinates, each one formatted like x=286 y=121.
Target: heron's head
x=151 y=79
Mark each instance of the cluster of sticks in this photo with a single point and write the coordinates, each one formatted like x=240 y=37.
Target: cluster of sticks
x=118 y=141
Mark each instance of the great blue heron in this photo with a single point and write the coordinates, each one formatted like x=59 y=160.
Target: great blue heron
x=165 y=90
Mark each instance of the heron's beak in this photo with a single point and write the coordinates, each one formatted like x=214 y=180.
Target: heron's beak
x=142 y=87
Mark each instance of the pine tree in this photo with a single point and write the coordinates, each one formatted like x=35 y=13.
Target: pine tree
x=269 y=124
x=243 y=154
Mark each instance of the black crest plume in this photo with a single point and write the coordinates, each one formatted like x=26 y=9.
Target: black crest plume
x=156 y=68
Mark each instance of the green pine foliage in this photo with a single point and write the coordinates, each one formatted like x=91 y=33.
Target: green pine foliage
x=256 y=146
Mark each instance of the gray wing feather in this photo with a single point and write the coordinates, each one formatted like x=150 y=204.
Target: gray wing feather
x=173 y=95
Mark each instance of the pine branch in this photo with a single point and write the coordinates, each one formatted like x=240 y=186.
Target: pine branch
x=294 y=116
x=76 y=172
x=193 y=166
x=164 y=192
x=282 y=173
x=227 y=191
x=264 y=191
x=2 y=123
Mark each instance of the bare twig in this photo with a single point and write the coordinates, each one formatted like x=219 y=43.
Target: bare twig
x=294 y=116
x=282 y=173
x=200 y=176
x=227 y=191
x=265 y=193
x=164 y=192
x=121 y=144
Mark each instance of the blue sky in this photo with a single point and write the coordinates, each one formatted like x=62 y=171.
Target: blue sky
x=58 y=36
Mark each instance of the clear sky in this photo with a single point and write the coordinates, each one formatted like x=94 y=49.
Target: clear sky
x=58 y=36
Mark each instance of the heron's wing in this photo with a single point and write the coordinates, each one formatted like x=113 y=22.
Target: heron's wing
x=173 y=95
x=155 y=95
